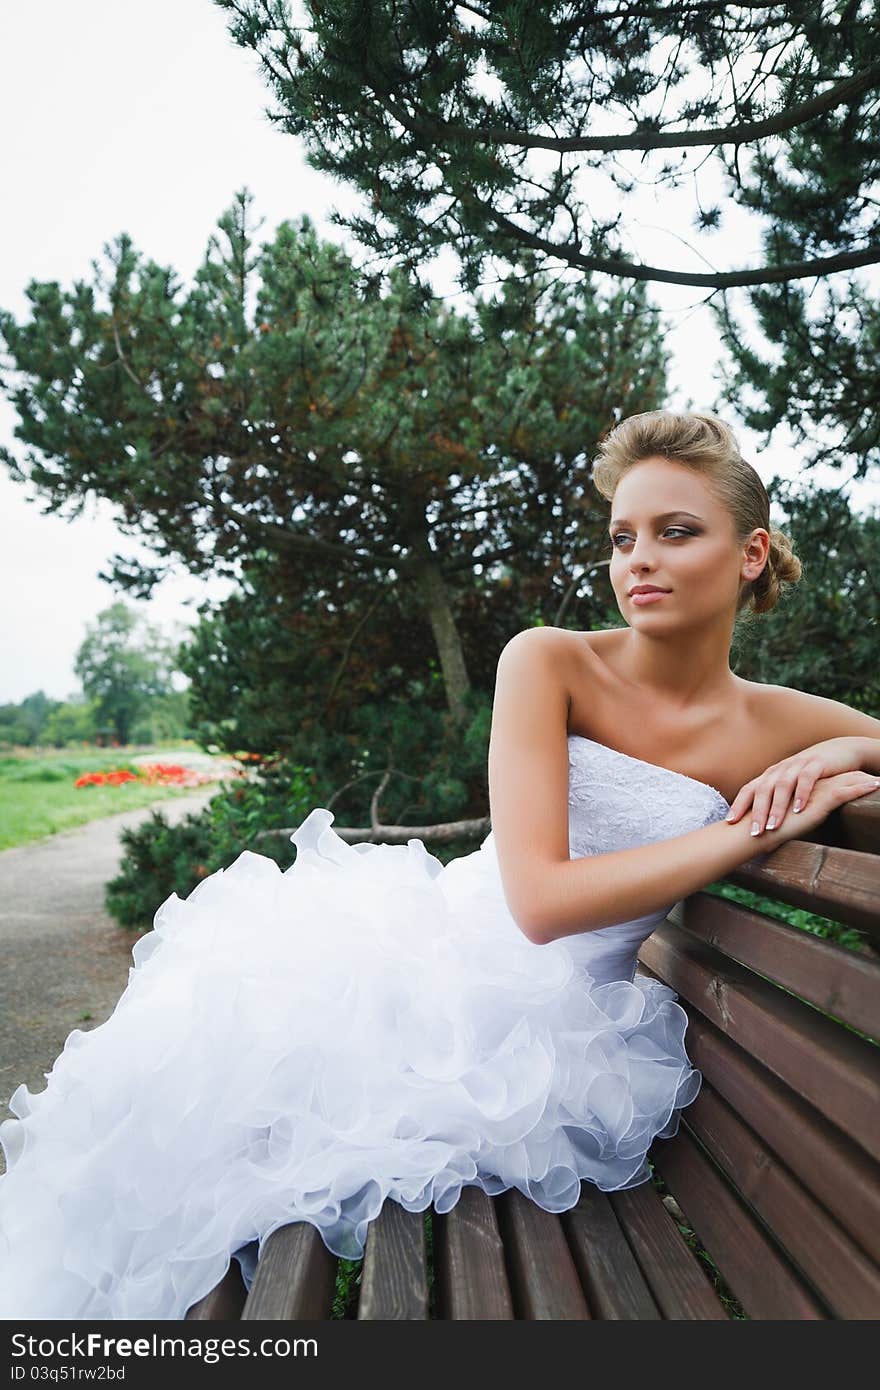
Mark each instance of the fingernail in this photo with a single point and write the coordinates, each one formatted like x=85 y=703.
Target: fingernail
x=771 y=823
x=755 y=828
x=729 y=816
x=797 y=806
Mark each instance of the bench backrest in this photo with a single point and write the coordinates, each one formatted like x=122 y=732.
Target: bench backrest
x=777 y=1162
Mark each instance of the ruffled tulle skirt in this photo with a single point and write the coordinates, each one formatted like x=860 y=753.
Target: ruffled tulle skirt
x=303 y=1045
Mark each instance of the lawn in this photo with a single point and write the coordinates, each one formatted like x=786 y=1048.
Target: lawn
x=38 y=796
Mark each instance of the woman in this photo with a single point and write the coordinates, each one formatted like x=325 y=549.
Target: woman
x=372 y=1024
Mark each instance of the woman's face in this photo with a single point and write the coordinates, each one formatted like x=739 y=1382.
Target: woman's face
x=668 y=530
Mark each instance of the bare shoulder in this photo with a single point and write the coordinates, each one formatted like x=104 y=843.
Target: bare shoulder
x=553 y=648
x=551 y=639
x=802 y=719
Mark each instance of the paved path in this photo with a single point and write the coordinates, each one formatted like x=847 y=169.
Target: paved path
x=62 y=955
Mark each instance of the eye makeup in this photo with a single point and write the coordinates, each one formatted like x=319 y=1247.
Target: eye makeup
x=619 y=522
x=682 y=530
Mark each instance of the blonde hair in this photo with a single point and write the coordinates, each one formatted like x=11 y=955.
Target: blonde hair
x=708 y=446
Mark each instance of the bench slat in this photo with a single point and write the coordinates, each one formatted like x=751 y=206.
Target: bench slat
x=543 y=1276
x=295 y=1277
x=394 y=1282
x=842 y=884
x=756 y=1270
x=679 y=1283
x=834 y=1069
x=608 y=1271
x=839 y=982
x=841 y=1273
x=469 y=1264
x=224 y=1302
x=856 y=824
x=838 y=1172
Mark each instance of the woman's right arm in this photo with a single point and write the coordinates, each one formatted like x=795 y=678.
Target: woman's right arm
x=551 y=895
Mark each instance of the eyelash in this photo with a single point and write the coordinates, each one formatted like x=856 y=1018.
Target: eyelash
x=618 y=534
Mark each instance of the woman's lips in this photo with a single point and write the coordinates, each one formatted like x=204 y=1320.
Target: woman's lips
x=642 y=599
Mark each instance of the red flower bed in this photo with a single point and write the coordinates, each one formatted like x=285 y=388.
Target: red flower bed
x=153 y=774
x=114 y=778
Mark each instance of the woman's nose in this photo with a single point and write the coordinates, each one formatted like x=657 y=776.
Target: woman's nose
x=640 y=556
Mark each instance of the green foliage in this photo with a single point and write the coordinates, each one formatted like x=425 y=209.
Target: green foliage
x=824 y=635
x=72 y=721
x=159 y=859
x=78 y=721
x=23 y=725
x=396 y=481
x=815 y=368
x=847 y=937
x=166 y=717
x=125 y=666
x=436 y=770
x=814 y=372
x=501 y=133
x=728 y=1299
x=39 y=772
x=348 y=1286
x=467 y=127
x=14 y=731
x=375 y=470
x=349 y=1275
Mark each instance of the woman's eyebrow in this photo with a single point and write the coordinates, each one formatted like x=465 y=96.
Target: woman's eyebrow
x=663 y=516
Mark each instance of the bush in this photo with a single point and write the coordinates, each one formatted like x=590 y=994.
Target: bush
x=39 y=772
x=160 y=859
x=437 y=772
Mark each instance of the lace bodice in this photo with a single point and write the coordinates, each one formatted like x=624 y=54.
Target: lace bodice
x=619 y=802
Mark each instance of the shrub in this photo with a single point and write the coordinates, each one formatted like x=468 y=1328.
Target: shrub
x=160 y=859
x=436 y=771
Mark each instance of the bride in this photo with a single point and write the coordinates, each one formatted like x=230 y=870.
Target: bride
x=373 y=1025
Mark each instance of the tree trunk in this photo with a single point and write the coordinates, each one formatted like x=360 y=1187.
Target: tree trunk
x=435 y=597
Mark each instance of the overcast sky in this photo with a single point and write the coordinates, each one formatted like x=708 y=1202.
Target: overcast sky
x=147 y=119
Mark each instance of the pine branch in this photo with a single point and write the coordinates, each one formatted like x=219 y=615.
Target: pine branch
x=724 y=279
x=445 y=132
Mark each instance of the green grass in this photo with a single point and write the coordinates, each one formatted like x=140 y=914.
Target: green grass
x=349 y=1274
x=850 y=938
x=348 y=1287
x=728 y=1299
x=38 y=798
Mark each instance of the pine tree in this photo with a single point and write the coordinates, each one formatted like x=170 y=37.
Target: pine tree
x=341 y=440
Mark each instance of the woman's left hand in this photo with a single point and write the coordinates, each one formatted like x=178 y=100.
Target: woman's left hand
x=792 y=781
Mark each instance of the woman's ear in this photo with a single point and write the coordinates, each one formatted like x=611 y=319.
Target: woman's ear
x=757 y=552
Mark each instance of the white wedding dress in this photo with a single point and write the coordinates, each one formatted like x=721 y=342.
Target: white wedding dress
x=302 y=1045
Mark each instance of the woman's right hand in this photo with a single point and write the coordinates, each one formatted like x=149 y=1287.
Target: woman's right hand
x=827 y=794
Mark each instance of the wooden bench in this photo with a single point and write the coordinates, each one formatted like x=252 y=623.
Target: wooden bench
x=775 y=1169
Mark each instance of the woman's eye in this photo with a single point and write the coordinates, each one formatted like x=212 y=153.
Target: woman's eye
x=622 y=535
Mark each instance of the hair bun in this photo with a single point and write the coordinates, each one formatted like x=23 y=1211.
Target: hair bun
x=782 y=567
